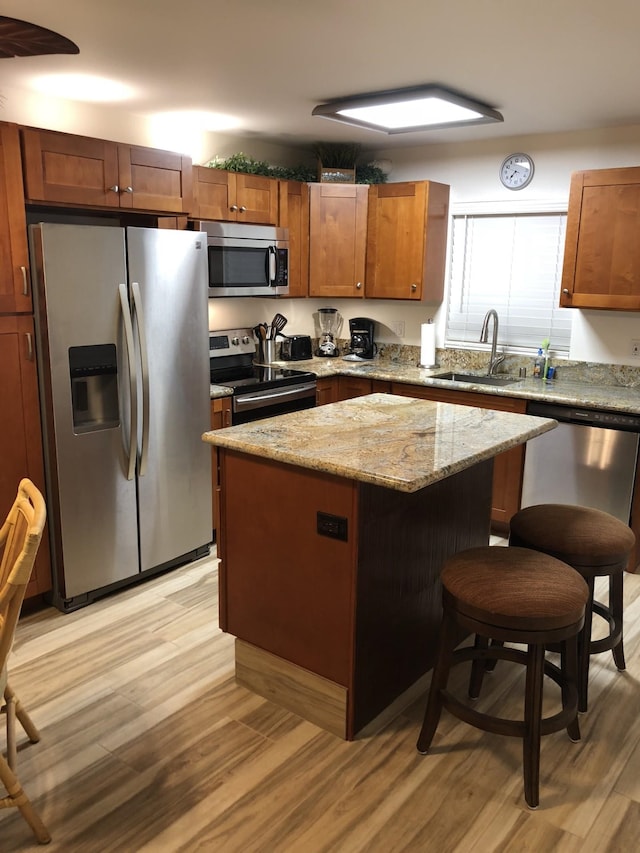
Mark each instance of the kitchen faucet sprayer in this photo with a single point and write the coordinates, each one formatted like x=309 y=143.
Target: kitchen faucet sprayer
x=494 y=359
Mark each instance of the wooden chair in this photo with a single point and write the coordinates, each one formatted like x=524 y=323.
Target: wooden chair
x=20 y=537
x=512 y=595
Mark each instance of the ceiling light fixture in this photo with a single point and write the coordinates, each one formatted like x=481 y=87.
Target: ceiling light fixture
x=429 y=107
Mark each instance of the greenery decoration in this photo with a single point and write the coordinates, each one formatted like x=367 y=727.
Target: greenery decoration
x=366 y=173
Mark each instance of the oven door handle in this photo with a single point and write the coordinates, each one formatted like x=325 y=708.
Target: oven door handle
x=246 y=402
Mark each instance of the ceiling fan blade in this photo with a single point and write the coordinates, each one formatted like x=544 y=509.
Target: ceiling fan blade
x=20 y=38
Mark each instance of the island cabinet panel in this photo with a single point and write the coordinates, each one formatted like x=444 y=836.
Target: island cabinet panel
x=508 y=466
x=220 y=418
x=294 y=215
x=319 y=618
x=234 y=197
x=15 y=288
x=20 y=430
x=62 y=168
x=337 y=239
x=407 y=240
x=602 y=251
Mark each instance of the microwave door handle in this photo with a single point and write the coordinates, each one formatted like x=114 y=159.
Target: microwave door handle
x=273 y=265
x=133 y=381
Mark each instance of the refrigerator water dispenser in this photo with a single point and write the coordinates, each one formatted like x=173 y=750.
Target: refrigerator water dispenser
x=94 y=387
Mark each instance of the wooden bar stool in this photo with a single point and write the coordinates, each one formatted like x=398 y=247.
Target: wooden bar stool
x=519 y=596
x=596 y=544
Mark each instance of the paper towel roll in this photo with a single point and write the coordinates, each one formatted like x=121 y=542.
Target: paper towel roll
x=428 y=344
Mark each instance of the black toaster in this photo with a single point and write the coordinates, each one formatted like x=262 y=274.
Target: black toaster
x=296 y=348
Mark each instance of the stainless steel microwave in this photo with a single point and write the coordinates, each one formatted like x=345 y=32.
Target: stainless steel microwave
x=247 y=260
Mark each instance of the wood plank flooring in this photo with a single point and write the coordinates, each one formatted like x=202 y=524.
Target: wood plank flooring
x=148 y=745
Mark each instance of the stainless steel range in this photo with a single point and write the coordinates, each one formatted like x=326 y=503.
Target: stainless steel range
x=259 y=391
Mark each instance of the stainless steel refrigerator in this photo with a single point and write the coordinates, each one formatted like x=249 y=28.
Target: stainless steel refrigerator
x=121 y=318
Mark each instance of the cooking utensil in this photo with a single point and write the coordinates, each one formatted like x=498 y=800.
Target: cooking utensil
x=277 y=324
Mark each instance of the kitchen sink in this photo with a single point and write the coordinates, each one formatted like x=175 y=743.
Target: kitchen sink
x=476 y=379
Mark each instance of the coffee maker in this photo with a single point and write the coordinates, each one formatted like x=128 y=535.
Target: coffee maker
x=361 y=330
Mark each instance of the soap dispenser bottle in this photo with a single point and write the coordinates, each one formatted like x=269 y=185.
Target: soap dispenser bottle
x=538 y=365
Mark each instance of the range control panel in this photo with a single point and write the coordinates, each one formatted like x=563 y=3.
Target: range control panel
x=231 y=342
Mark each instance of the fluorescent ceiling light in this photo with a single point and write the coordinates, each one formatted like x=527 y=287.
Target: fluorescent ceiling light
x=417 y=108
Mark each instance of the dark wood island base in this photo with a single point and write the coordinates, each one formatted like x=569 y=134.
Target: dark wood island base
x=331 y=586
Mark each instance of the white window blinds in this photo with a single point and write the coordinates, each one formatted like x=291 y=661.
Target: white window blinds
x=513 y=263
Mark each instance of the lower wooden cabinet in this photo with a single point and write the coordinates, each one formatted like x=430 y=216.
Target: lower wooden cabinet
x=220 y=417
x=357 y=386
x=20 y=430
x=327 y=390
x=507 y=466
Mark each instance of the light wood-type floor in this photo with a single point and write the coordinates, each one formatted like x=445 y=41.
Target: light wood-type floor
x=148 y=745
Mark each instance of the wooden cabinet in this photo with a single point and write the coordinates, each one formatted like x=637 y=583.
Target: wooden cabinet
x=327 y=390
x=61 y=168
x=294 y=215
x=358 y=386
x=15 y=291
x=20 y=431
x=234 y=197
x=507 y=466
x=602 y=249
x=338 y=238
x=220 y=417
x=407 y=240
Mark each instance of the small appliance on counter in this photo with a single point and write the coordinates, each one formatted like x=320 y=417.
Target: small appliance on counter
x=296 y=348
x=329 y=320
x=361 y=345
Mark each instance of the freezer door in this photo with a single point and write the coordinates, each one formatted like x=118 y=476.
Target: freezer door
x=168 y=270
x=79 y=269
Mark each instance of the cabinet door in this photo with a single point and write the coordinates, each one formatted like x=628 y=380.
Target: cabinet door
x=407 y=240
x=337 y=240
x=507 y=466
x=20 y=433
x=69 y=169
x=15 y=291
x=150 y=179
x=602 y=250
x=327 y=390
x=294 y=215
x=234 y=197
x=220 y=417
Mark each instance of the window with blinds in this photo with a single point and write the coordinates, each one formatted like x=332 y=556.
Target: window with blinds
x=513 y=263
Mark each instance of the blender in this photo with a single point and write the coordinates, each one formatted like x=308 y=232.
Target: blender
x=329 y=321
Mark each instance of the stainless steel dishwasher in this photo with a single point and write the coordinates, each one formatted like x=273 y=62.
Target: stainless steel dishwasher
x=589 y=459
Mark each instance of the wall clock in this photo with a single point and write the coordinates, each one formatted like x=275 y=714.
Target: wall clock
x=516 y=171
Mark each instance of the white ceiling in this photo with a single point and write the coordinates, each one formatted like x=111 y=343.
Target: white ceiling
x=547 y=65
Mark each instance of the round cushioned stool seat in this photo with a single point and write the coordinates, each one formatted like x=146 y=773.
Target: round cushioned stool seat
x=597 y=545
x=511 y=595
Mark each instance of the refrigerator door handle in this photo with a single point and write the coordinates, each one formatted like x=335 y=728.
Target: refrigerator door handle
x=144 y=361
x=133 y=381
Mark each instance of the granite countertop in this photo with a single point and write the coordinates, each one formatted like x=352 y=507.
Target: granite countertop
x=397 y=442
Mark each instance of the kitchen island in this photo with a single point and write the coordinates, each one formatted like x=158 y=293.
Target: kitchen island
x=335 y=523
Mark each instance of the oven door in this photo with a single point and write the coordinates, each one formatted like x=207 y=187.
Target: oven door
x=275 y=401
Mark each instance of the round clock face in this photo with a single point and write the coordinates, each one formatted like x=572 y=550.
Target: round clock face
x=516 y=171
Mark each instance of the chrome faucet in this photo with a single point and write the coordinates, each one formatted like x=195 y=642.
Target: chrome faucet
x=495 y=360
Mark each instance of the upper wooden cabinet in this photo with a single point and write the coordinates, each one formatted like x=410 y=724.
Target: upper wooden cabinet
x=338 y=239
x=234 y=197
x=407 y=240
x=602 y=246
x=61 y=168
x=20 y=431
x=15 y=292
x=294 y=215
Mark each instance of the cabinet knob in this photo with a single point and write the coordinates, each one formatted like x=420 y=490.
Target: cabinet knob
x=242 y=208
x=114 y=189
x=127 y=190
x=358 y=285
x=414 y=287
x=566 y=291
x=233 y=207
